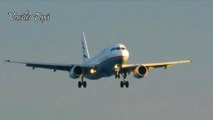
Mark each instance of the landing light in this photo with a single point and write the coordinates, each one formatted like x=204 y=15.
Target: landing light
x=92 y=71
x=116 y=66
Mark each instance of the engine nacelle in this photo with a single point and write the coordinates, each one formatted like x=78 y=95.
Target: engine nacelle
x=140 y=71
x=76 y=72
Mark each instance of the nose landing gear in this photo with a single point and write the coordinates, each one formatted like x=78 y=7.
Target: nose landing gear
x=82 y=83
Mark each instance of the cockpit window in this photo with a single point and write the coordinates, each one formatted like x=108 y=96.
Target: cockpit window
x=118 y=48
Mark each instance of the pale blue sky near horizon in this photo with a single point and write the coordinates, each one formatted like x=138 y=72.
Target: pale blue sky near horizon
x=152 y=31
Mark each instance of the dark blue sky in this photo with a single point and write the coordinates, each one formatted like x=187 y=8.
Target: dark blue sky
x=152 y=32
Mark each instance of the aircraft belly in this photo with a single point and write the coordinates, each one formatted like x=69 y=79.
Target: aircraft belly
x=106 y=68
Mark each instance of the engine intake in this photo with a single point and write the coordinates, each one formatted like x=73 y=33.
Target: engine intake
x=140 y=72
x=76 y=72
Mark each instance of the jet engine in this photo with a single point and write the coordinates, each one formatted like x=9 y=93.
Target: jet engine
x=140 y=71
x=76 y=72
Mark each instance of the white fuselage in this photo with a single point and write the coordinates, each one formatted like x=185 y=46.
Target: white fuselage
x=106 y=60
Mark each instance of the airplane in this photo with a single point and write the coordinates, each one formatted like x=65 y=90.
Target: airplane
x=110 y=61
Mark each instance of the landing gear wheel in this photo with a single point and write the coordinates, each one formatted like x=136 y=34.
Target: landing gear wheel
x=122 y=84
x=127 y=84
x=84 y=84
x=79 y=84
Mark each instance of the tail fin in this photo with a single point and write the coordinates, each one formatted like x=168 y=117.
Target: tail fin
x=84 y=47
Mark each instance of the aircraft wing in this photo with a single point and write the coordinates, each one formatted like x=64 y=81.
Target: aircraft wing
x=131 y=67
x=63 y=67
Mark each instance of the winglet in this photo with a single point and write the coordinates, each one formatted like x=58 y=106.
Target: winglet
x=84 y=48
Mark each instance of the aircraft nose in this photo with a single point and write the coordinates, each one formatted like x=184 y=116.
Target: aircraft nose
x=125 y=55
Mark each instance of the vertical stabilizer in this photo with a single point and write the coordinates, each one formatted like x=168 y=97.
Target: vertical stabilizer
x=84 y=48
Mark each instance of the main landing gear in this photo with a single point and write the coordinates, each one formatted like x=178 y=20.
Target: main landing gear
x=123 y=82
x=82 y=83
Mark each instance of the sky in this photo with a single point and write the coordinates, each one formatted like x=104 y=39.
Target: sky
x=152 y=31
